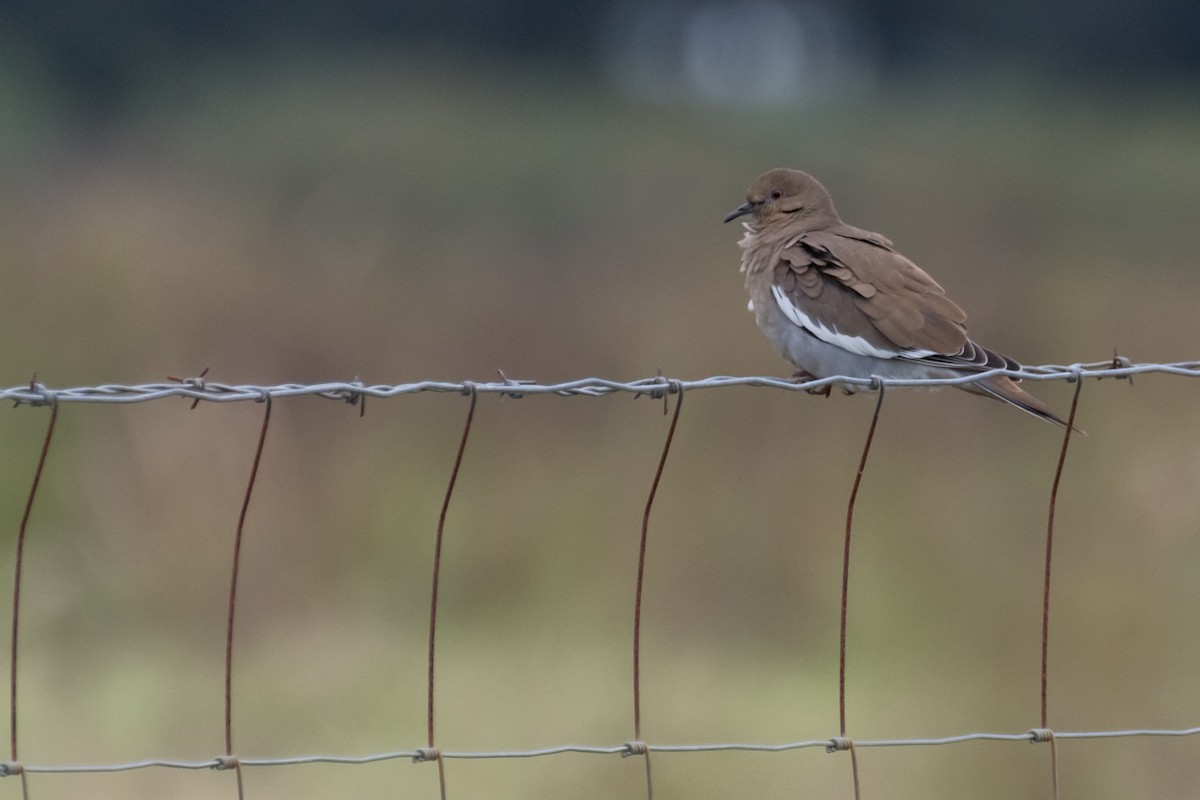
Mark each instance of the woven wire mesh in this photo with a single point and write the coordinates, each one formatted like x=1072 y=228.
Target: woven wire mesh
x=199 y=389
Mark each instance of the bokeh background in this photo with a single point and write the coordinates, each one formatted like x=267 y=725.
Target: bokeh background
x=402 y=191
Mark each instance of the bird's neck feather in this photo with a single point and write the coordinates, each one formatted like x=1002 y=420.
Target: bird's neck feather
x=761 y=245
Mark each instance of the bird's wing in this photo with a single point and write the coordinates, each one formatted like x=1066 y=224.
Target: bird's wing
x=849 y=288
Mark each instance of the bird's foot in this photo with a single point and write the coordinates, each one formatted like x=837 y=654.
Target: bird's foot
x=804 y=375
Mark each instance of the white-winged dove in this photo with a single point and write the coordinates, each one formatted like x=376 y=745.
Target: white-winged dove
x=838 y=300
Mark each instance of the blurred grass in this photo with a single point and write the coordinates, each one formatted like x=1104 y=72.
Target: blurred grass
x=398 y=221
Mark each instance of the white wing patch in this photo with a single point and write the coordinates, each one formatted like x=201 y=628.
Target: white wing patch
x=852 y=344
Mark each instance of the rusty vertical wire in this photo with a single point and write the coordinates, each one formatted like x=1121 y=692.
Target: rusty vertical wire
x=854 y=770
x=16 y=605
x=437 y=570
x=233 y=583
x=1062 y=459
x=862 y=465
x=637 y=602
x=1054 y=764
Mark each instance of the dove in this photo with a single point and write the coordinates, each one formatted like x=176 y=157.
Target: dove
x=835 y=300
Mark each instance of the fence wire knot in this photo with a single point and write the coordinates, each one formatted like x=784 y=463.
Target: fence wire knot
x=426 y=754
x=839 y=744
x=45 y=396
x=196 y=383
x=511 y=382
x=8 y=768
x=658 y=387
x=1040 y=735
x=223 y=763
x=351 y=394
x=635 y=748
x=1124 y=365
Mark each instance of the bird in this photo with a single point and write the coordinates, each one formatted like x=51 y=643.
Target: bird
x=834 y=299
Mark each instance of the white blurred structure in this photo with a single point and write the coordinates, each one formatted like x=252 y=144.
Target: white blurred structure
x=734 y=52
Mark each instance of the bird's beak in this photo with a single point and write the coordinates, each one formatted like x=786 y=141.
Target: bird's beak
x=741 y=211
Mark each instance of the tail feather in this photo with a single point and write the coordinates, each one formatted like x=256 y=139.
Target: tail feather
x=1004 y=388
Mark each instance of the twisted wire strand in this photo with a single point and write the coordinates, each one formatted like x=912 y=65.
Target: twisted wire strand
x=348 y=391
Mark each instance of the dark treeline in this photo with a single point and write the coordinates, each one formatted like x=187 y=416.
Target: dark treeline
x=100 y=52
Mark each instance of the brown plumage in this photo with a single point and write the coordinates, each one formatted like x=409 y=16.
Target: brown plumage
x=838 y=300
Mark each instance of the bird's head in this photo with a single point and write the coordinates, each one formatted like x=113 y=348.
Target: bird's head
x=786 y=197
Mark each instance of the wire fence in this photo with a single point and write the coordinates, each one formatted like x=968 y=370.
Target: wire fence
x=199 y=389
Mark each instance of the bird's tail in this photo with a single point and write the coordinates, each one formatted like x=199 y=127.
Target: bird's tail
x=1004 y=388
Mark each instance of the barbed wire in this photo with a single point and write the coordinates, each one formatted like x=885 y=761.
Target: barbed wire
x=200 y=389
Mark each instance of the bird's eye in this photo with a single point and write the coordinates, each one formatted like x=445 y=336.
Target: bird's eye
x=776 y=194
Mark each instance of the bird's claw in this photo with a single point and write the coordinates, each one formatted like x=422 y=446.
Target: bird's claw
x=804 y=375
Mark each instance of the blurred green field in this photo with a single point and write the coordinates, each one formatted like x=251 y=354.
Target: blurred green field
x=401 y=221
